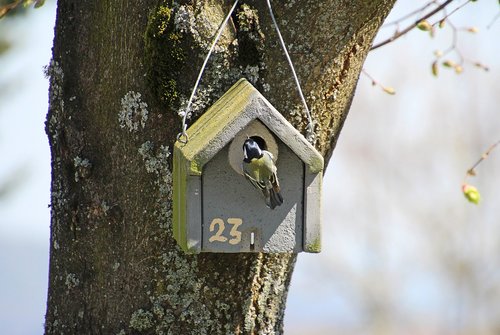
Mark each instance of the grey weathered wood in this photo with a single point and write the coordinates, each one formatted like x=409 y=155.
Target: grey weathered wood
x=312 y=211
x=226 y=194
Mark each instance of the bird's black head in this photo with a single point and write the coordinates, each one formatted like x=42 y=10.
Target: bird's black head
x=251 y=150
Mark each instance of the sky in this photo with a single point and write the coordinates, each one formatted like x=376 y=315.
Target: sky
x=25 y=157
x=395 y=224
x=391 y=191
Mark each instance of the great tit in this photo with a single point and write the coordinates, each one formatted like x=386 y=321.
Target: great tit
x=259 y=168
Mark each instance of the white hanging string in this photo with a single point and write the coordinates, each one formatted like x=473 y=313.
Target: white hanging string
x=183 y=136
x=310 y=128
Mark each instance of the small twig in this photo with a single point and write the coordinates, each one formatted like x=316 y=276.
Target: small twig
x=470 y=172
x=407 y=16
x=414 y=25
x=470 y=192
x=386 y=89
x=454 y=47
x=493 y=21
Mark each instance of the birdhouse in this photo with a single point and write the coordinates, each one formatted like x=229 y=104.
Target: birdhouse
x=216 y=209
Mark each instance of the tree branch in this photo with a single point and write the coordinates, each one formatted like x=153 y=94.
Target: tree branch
x=409 y=28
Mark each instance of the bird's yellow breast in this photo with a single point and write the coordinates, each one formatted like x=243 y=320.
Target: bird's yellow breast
x=263 y=168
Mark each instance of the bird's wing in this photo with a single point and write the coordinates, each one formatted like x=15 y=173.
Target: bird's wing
x=252 y=178
x=275 y=183
x=263 y=177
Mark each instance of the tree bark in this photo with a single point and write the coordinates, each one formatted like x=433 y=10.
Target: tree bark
x=120 y=72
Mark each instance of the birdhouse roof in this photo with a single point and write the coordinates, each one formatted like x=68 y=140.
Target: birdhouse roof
x=239 y=106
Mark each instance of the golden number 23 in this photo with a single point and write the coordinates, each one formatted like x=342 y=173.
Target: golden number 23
x=234 y=232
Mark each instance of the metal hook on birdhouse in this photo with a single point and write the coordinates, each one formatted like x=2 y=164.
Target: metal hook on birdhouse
x=183 y=137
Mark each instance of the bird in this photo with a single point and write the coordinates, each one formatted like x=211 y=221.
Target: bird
x=259 y=168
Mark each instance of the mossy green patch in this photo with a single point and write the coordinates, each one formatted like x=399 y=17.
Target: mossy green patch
x=164 y=55
x=315 y=246
x=250 y=36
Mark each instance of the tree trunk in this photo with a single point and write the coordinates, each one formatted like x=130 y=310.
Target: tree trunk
x=120 y=72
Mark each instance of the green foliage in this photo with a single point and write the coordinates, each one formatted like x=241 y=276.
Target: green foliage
x=471 y=193
x=13 y=8
x=250 y=36
x=4 y=46
x=17 y=6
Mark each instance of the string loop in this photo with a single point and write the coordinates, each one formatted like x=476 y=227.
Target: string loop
x=214 y=42
x=183 y=136
x=310 y=125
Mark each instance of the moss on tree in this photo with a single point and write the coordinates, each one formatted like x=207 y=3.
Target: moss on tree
x=164 y=55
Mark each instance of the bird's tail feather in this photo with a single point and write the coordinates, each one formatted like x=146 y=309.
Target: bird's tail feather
x=275 y=198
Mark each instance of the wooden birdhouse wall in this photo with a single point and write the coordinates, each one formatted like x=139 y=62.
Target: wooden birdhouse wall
x=228 y=197
x=216 y=209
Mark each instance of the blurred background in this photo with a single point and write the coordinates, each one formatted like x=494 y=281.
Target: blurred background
x=403 y=251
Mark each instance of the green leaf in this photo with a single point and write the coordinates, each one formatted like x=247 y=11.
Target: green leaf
x=39 y=3
x=471 y=193
x=435 y=70
x=425 y=25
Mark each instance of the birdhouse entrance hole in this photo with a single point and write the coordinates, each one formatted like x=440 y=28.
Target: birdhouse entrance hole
x=257 y=131
x=260 y=141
